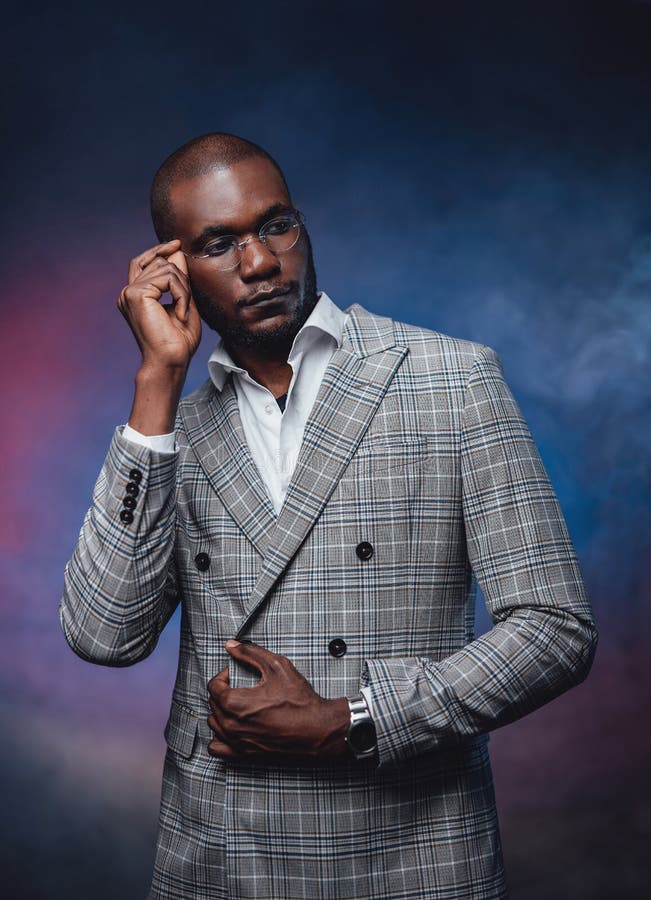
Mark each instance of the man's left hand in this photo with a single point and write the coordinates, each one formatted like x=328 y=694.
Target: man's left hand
x=281 y=718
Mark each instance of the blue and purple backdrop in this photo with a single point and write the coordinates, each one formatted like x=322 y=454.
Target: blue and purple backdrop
x=482 y=169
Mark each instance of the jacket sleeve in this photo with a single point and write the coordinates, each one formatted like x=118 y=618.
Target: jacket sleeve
x=543 y=638
x=120 y=586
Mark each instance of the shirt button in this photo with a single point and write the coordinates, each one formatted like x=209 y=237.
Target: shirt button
x=202 y=561
x=337 y=647
x=268 y=409
x=364 y=550
x=127 y=516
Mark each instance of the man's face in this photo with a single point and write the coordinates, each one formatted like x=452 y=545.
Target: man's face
x=239 y=200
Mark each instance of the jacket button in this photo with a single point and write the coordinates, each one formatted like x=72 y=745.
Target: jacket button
x=129 y=502
x=127 y=516
x=364 y=550
x=202 y=561
x=135 y=475
x=132 y=488
x=337 y=647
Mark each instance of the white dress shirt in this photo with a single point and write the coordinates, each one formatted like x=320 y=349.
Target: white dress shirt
x=274 y=437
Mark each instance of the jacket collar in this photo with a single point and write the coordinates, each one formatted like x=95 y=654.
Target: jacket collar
x=326 y=318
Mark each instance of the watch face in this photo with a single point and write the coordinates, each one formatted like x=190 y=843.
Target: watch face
x=362 y=737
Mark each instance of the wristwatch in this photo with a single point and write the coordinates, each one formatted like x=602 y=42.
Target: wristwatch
x=361 y=738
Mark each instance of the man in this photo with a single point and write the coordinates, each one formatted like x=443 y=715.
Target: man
x=320 y=508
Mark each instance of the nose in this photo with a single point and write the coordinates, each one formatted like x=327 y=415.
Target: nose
x=257 y=261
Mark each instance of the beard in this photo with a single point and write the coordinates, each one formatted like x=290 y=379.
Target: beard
x=272 y=342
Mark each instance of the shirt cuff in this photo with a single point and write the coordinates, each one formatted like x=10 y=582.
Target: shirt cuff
x=160 y=443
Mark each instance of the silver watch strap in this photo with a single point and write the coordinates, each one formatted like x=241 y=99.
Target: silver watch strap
x=359 y=715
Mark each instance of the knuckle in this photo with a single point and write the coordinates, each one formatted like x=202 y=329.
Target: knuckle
x=129 y=294
x=228 y=704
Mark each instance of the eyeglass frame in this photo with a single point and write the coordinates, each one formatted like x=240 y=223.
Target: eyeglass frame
x=241 y=244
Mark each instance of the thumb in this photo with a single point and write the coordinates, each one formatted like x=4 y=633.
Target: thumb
x=179 y=260
x=251 y=654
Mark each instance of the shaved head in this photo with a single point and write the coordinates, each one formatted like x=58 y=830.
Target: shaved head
x=197 y=157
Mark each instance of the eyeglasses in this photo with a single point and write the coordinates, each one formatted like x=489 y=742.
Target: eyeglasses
x=278 y=235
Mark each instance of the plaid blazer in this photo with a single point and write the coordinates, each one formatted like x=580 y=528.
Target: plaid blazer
x=416 y=446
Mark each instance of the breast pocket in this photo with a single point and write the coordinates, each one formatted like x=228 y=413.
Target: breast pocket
x=385 y=469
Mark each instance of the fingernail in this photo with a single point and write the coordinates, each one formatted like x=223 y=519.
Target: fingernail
x=231 y=643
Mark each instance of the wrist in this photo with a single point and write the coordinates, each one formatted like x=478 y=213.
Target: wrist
x=336 y=719
x=156 y=399
x=158 y=376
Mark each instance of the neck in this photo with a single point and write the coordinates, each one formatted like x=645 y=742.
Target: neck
x=272 y=372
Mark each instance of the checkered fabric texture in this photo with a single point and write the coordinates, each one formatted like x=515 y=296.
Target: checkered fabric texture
x=416 y=445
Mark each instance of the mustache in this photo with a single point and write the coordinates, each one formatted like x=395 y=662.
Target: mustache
x=270 y=289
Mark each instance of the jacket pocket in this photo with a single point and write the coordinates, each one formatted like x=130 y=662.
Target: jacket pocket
x=383 y=454
x=181 y=729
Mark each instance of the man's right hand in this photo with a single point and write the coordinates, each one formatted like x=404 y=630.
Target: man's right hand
x=167 y=334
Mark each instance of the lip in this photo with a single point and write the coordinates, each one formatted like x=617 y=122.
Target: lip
x=262 y=296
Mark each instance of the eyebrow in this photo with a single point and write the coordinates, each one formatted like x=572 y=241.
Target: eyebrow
x=212 y=231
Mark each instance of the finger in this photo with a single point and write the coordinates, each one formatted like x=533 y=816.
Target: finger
x=182 y=296
x=216 y=726
x=138 y=263
x=155 y=286
x=182 y=308
x=218 y=692
x=219 y=681
x=179 y=260
x=180 y=291
x=221 y=676
x=160 y=266
x=219 y=748
x=182 y=305
x=255 y=655
x=222 y=706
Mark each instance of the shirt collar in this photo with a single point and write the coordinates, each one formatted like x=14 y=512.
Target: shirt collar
x=325 y=319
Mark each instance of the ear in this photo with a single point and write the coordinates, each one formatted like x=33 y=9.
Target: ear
x=179 y=261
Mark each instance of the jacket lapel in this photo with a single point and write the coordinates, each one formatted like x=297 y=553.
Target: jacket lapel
x=214 y=429
x=353 y=386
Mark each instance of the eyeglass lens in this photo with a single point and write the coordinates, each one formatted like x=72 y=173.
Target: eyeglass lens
x=278 y=235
